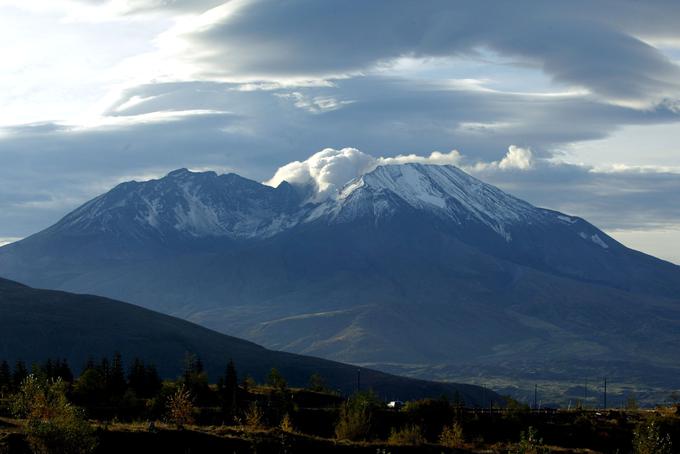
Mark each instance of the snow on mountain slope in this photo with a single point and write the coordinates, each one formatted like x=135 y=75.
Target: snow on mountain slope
x=449 y=193
x=189 y=204
x=203 y=205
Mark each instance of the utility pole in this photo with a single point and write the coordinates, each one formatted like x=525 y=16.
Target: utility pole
x=358 y=380
x=535 y=397
x=585 y=392
x=605 y=393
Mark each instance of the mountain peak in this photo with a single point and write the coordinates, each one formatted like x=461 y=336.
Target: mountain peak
x=184 y=173
x=179 y=172
x=443 y=190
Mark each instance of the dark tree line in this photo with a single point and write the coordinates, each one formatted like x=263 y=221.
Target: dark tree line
x=105 y=378
x=12 y=377
x=107 y=383
x=108 y=388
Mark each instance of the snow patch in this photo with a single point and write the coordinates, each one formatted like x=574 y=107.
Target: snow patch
x=566 y=219
x=597 y=240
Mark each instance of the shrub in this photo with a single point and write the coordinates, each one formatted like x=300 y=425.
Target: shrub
x=287 y=424
x=452 y=436
x=529 y=443
x=53 y=425
x=181 y=407
x=354 y=422
x=647 y=439
x=254 y=416
x=410 y=435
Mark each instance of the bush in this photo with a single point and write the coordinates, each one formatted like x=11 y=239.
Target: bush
x=354 y=422
x=529 y=443
x=181 y=407
x=287 y=424
x=53 y=425
x=647 y=439
x=410 y=435
x=452 y=436
x=254 y=416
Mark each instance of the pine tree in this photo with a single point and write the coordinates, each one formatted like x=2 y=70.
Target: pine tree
x=276 y=380
x=19 y=375
x=153 y=382
x=5 y=378
x=137 y=377
x=116 y=377
x=63 y=371
x=229 y=387
x=89 y=364
x=195 y=379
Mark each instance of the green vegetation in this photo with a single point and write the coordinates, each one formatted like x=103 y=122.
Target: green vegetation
x=354 y=422
x=109 y=403
x=181 y=407
x=411 y=435
x=452 y=436
x=648 y=439
x=529 y=443
x=53 y=425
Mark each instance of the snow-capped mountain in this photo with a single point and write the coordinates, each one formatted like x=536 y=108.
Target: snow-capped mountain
x=447 y=192
x=191 y=205
x=408 y=264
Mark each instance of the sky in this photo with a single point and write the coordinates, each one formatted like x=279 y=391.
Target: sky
x=573 y=106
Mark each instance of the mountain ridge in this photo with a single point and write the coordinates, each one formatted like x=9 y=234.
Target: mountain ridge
x=409 y=264
x=86 y=326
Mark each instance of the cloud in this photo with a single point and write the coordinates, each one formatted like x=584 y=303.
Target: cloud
x=329 y=170
x=155 y=128
x=630 y=198
x=627 y=199
x=516 y=158
x=453 y=157
x=317 y=104
x=597 y=47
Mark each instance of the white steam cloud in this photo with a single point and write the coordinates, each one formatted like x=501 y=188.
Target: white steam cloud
x=330 y=169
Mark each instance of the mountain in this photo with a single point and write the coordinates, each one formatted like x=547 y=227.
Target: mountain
x=416 y=268
x=40 y=324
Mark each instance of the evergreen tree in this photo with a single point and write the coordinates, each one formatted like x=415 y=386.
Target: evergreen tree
x=144 y=380
x=63 y=371
x=105 y=371
x=195 y=379
x=229 y=387
x=276 y=380
x=89 y=364
x=5 y=378
x=153 y=382
x=116 y=384
x=47 y=370
x=19 y=375
x=137 y=377
x=317 y=383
